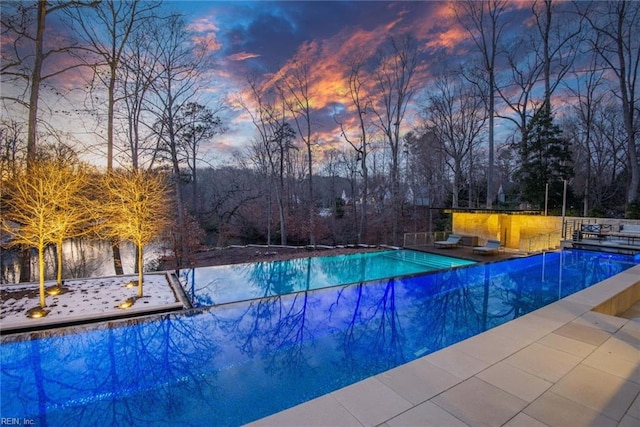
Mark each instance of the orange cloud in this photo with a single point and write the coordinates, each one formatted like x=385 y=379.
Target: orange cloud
x=328 y=63
x=447 y=39
x=439 y=27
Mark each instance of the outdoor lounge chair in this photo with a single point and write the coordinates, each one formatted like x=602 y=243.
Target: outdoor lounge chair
x=452 y=241
x=492 y=247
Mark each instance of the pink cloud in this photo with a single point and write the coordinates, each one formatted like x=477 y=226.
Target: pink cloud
x=209 y=40
x=203 y=26
x=242 y=56
x=205 y=33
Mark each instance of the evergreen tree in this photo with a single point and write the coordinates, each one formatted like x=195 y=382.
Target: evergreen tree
x=546 y=159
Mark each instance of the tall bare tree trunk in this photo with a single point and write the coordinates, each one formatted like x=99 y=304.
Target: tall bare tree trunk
x=481 y=19
x=34 y=96
x=41 y=273
x=140 y=261
x=115 y=245
x=618 y=46
x=59 y=263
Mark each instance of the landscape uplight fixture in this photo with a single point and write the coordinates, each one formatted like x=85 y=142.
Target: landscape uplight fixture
x=52 y=291
x=57 y=289
x=127 y=303
x=131 y=284
x=37 y=312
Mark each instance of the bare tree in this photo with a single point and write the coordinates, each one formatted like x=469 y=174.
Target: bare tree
x=360 y=144
x=430 y=164
x=272 y=148
x=179 y=64
x=138 y=74
x=589 y=99
x=106 y=33
x=484 y=22
x=70 y=220
x=12 y=148
x=25 y=62
x=616 y=25
x=559 y=45
x=518 y=90
x=298 y=98
x=260 y=153
x=608 y=155
x=197 y=123
x=455 y=115
x=394 y=88
x=227 y=192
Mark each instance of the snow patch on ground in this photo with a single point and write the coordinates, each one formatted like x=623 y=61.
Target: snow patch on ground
x=85 y=299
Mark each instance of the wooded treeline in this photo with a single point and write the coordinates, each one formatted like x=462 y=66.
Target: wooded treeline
x=502 y=126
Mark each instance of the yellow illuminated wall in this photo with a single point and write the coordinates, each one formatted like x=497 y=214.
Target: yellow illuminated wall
x=523 y=232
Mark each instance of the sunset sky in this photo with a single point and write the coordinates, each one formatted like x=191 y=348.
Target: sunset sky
x=259 y=38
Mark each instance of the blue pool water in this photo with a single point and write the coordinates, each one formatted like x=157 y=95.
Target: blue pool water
x=234 y=363
x=207 y=286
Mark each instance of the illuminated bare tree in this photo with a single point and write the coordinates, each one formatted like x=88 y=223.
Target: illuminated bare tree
x=71 y=219
x=136 y=209
x=43 y=206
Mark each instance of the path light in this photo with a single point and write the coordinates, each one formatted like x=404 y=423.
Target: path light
x=131 y=284
x=126 y=303
x=37 y=312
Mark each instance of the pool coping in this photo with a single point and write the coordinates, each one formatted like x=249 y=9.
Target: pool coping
x=505 y=376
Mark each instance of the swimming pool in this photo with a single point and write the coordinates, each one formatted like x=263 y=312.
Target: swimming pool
x=206 y=286
x=234 y=363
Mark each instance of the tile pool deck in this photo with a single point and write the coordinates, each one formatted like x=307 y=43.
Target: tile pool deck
x=561 y=365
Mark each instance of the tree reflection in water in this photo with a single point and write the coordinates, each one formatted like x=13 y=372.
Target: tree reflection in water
x=216 y=285
x=234 y=363
x=109 y=376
